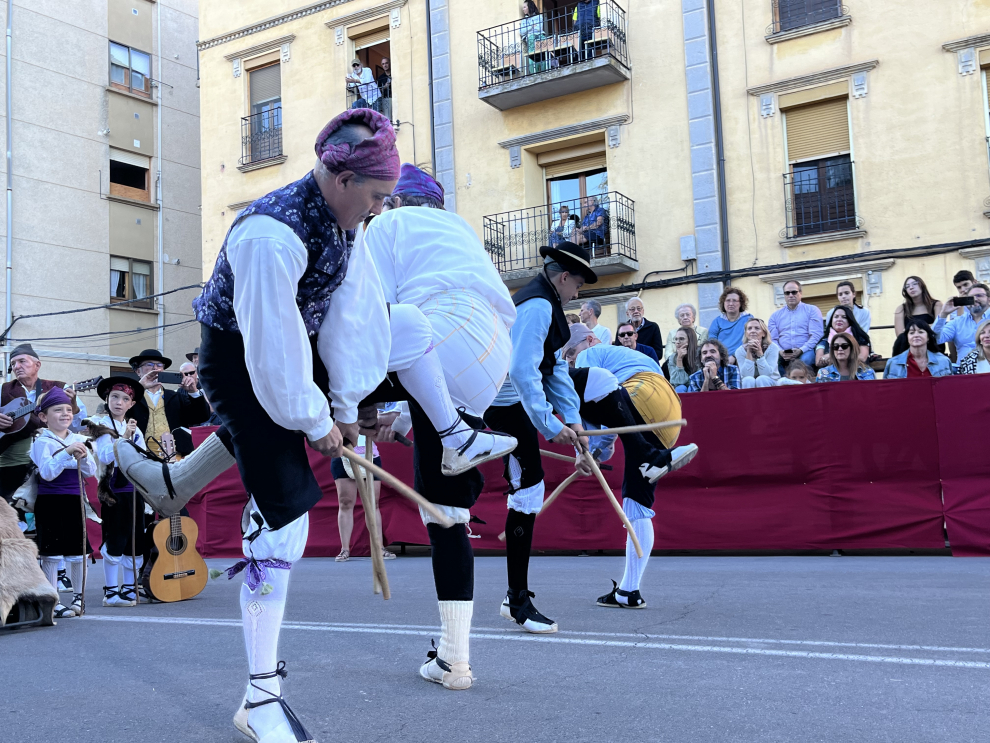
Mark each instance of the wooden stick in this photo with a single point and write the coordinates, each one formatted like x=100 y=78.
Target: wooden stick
x=553 y=496
x=615 y=504
x=400 y=487
x=85 y=539
x=379 y=580
x=633 y=429
x=555 y=455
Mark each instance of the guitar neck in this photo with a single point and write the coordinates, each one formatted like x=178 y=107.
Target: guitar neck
x=175 y=525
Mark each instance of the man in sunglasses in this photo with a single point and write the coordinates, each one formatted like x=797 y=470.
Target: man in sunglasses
x=629 y=338
x=796 y=328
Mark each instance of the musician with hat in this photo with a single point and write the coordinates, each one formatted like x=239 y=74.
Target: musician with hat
x=193 y=357
x=160 y=411
x=538 y=384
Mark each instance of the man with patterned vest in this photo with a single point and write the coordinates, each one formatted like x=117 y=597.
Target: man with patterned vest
x=268 y=360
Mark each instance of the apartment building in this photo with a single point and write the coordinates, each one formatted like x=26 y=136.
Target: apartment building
x=747 y=142
x=106 y=184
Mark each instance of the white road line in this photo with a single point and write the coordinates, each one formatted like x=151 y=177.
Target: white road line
x=485 y=634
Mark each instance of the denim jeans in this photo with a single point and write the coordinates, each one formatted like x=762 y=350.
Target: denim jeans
x=807 y=357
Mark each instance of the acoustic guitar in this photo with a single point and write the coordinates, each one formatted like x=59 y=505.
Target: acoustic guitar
x=179 y=572
x=20 y=409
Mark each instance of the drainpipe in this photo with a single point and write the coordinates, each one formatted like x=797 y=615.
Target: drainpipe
x=429 y=68
x=10 y=190
x=158 y=196
x=719 y=142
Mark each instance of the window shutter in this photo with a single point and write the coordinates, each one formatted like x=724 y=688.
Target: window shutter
x=266 y=84
x=578 y=165
x=375 y=37
x=817 y=130
x=130 y=158
x=986 y=79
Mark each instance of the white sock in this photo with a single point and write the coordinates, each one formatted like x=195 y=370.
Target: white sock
x=77 y=566
x=262 y=617
x=111 y=570
x=127 y=567
x=49 y=566
x=424 y=380
x=455 y=633
x=636 y=566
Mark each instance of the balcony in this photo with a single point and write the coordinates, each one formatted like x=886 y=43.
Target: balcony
x=790 y=15
x=513 y=239
x=261 y=139
x=553 y=54
x=820 y=201
x=370 y=95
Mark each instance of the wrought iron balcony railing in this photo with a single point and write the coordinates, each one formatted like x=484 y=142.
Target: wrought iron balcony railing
x=261 y=136
x=820 y=196
x=791 y=14
x=371 y=95
x=548 y=41
x=605 y=223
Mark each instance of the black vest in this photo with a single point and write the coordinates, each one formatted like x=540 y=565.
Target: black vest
x=541 y=288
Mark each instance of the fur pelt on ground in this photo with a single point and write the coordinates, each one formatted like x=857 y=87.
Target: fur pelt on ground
x=20 y=576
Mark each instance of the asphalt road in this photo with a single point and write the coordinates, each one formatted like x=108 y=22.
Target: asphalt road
x=789 y=649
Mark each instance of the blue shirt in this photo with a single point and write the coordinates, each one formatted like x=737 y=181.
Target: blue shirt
x=960 y=330
x=728 y=374
x=621 y=361
x=539 y=395
x=728 y=333
x=831 y=374
x=799 y=328
x=590 y=219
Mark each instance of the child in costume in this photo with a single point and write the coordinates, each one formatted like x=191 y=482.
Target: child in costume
x=117 y=493
x=59 y=455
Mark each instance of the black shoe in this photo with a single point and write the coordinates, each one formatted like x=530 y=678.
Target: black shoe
x=633 y=599
x=518 y=607
x=64 y=586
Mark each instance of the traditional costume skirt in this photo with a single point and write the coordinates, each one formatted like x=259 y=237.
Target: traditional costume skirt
x=656 y=402
x=58 y=516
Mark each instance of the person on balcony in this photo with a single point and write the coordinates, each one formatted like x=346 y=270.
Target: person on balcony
x=591 y=233
x=728 y=327
x=647 y=331
x=687 y=317
x=977 y=361
x=563 y=229
x=384 y=82
x=922 y=359
x=531 y=31
x=587 y=17
x=361 y=84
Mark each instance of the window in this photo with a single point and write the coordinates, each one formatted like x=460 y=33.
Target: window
x=375 y=92
x=130 y=70
x=261 y=132
x=791 y=14
x=131 y=279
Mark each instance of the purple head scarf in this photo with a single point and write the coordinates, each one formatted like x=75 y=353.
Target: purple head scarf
x=415 y=182
x=54 y=396
x=375 y=157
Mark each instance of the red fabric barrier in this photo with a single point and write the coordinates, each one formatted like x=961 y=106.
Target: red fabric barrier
x=857 y=465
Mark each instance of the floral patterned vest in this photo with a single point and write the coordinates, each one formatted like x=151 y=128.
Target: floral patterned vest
x=301 y=207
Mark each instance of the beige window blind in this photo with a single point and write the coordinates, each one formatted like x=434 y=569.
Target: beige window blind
x=370 y=39
x=266 y=84
x=122 y=156
x=817 y=130
x=575 y=165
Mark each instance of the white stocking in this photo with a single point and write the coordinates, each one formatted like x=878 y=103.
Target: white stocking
x=636 y=566
x=128 y=568
x=76 y=566
x=424 y=380
x=111 y=569
x=49 y=566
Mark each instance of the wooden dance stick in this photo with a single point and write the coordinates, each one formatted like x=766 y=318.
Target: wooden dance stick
x=400 y=487
x=553 y=496
x=615 y=504
x=564 y=458
x=85 y=539
x=633 y=429
x=366 y=491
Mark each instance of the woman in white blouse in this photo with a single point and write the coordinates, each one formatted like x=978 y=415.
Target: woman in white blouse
x=757 y=356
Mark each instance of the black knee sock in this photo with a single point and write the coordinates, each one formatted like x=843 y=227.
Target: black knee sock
x=518 y=544
x=453 y=562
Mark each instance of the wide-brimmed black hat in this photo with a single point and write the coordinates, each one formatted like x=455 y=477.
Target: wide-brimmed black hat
x=572 y=257
x=107 y=384
x=149 y=354
x=194 y=352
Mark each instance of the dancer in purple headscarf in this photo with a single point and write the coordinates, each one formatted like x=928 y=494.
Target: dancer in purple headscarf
x=273 y=348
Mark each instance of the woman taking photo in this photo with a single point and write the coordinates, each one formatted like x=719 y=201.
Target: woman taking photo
x=918 y=302
x=683 y=362
x=845 y=366
x=845 y=292
x=977 y=361
x=922 y=358
x=841 y=320
x=757 y=356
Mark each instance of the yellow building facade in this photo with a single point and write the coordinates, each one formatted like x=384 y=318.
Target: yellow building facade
x=697 y=145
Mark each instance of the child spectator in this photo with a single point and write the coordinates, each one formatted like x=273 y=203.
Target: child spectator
x=58 y=453
x=798 y=373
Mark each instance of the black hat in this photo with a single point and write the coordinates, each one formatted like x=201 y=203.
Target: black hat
x=149 y=354
x=573 y=258
x=107 y=384
x=23 y=350
x=195 y=352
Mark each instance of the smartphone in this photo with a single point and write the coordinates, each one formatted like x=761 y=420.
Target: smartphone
x=164 y=377
x=963 y=301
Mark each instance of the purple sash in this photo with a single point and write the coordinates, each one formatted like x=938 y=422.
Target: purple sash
x=65 y=484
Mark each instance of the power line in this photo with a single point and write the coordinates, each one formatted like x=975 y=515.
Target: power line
x=107 y=333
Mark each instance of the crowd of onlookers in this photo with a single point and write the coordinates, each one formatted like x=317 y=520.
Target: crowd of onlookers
x=797 y=345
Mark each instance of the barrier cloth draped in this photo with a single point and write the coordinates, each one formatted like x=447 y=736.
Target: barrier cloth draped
x=856 y=465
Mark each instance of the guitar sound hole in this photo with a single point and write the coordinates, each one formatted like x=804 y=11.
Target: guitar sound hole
x=176 y=545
